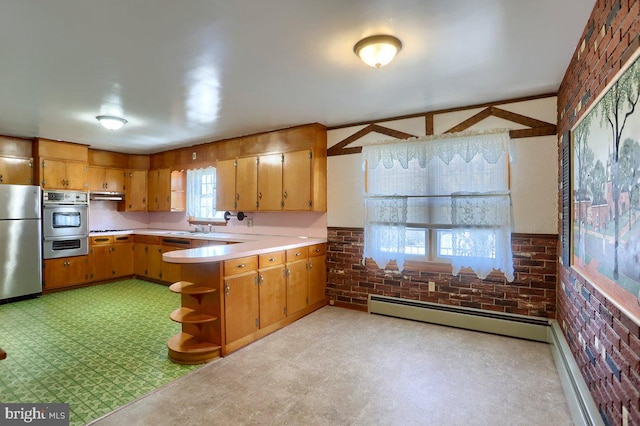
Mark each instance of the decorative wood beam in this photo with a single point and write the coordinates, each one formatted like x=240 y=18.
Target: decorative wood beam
x=428 y=124
x=474 y=119
x=549 y=130
x=340 y=147
x=518 y=118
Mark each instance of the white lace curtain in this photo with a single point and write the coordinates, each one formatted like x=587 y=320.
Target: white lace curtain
x=201 y=185
x=457 y=182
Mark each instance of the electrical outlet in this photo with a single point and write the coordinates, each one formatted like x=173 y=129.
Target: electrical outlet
x=194 y=155
x=432 y=286
x=332 y=302
x=249 y=222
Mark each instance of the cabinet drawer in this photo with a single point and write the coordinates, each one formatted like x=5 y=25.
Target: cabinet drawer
x=122 y=239
x=317 y=249
x=148 y=239
x=297 y=253
x=101 y=240
x=240 y=265
x=176 y=242
x=271 y=259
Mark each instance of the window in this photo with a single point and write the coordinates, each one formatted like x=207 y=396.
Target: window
x=440 y=198
x=201 y=194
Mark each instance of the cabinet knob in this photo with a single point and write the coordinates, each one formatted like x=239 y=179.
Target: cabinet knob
x=242 y=265
x=237 y=196
x=285 y=194
x=227 y=289
x=260 y=195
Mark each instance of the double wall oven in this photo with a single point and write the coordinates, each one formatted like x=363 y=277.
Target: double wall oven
x=65 y=223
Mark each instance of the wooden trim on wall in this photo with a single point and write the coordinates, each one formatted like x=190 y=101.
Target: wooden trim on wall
x=341 y=147
x=444 y=111
x=536 y=127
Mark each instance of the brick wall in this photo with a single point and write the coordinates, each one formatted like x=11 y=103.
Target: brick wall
x=604 y=342
x=533 y=292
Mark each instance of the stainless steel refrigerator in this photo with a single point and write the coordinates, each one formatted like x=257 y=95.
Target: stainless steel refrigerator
x=20 y=242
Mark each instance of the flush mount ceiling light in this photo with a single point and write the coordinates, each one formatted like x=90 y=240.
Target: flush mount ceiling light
x=110 y=122
x=377 y=50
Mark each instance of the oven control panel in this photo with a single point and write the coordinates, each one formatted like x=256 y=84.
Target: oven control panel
x=64 y=197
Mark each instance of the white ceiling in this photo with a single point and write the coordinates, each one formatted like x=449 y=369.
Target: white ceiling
x=193 y=71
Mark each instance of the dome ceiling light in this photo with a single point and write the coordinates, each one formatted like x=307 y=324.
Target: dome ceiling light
x=377 y=50
x=111 y=122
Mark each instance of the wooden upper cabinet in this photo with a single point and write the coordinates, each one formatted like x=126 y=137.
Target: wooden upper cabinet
x=247 y=184
x=61 y=165
x=159 y=190
x=226 y=185
x=135 y=192
x=16 y=171
x=296 y=181
x=270 y=182
x=61 y=174
x=106 y=179
x=178 y=191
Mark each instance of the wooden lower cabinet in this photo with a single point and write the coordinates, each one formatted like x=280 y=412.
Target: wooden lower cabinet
x=256 y=295
x=297 y=280
x=110 y=256
x=317 y=268
x=241 y=311
x=272 y=286
x=65 y=272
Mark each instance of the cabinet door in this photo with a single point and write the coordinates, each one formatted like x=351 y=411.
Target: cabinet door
x=317 y=279
x=270 y=182
x=122 y=258
x=96 y=178
x=154 y=261
x=225 y=185
x=114 y=180
x=140 y=254
x=247 y=184
x=55 y=273
x=53 y=174
x=273 y=295
x=296 y=180
x=136 y=197
x=241 y=305
x=78 y=269
x=77 y=176
x=178 y=201
x=153 y=191
x=18 y=171
x=164 y=190
x=170 y=271
x=101 y=262
x=297 y=286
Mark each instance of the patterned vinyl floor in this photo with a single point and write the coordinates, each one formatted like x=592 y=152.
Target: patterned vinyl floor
x=96 y=348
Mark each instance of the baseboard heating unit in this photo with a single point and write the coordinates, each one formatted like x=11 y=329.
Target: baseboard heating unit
x=581 y=405
x=524 y=327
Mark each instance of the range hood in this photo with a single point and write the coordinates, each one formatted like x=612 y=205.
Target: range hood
x=106 y=196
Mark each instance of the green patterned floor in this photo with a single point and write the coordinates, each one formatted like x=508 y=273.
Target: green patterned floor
x=96 y=348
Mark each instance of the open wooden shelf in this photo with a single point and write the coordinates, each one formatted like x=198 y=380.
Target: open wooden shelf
x=185 y=348
x=199 y=340
x=191 y=316
x=185 y=287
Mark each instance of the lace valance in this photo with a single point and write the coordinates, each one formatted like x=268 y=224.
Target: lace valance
x=491 y=145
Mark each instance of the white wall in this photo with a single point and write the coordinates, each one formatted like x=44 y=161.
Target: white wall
x=533 y=171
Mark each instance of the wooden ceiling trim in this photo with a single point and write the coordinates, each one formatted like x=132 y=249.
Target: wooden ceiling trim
x=536 y=127
x=474 y=119
x=518 y=118
x=341 y=147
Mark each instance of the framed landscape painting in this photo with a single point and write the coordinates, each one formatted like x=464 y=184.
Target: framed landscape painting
x=605 y=168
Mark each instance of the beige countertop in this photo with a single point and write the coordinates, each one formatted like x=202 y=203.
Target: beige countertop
x=246 y=244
